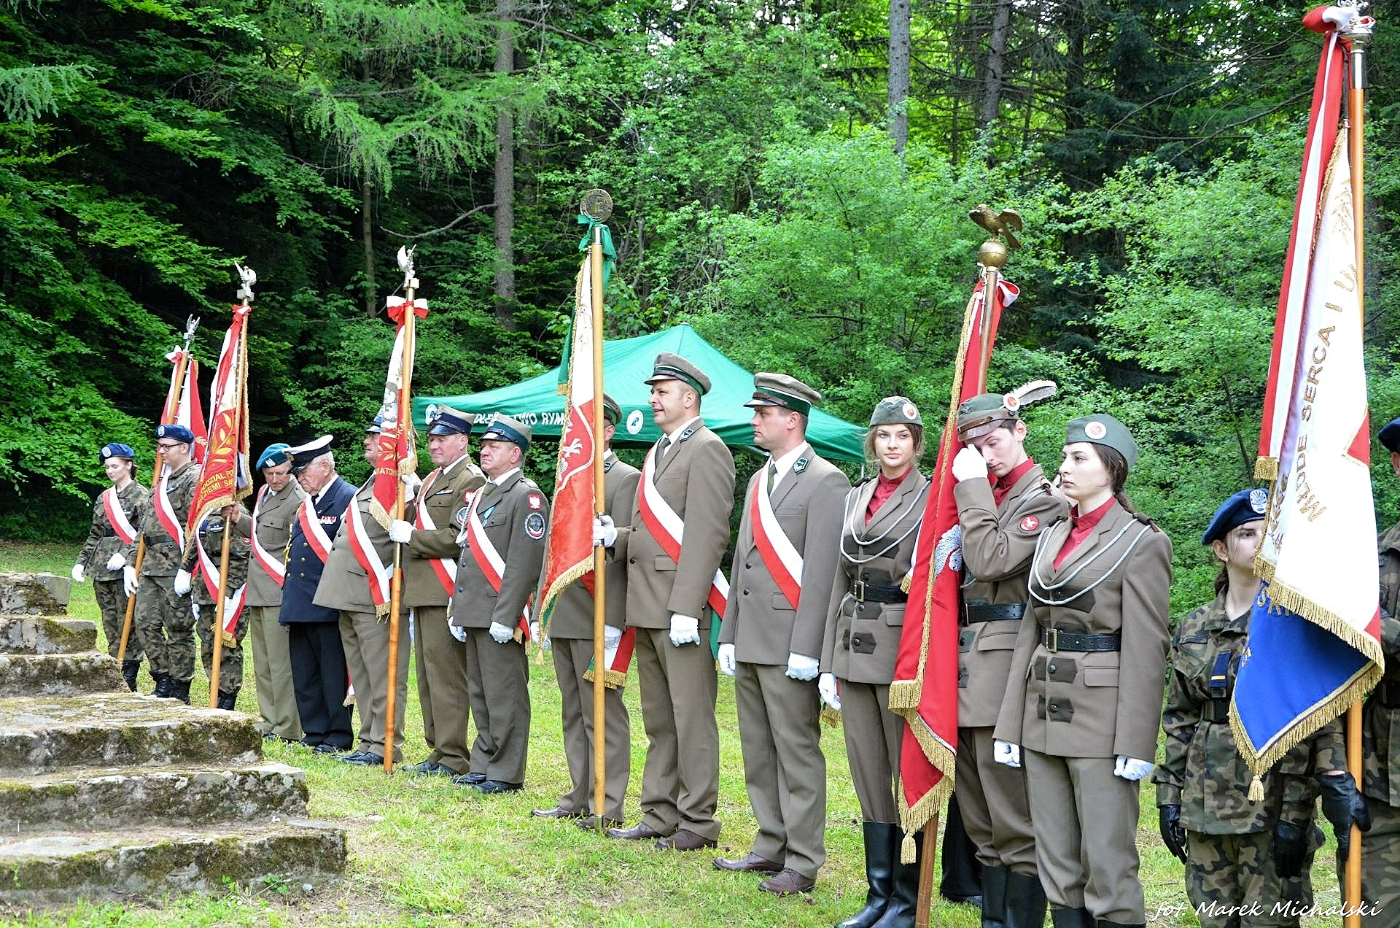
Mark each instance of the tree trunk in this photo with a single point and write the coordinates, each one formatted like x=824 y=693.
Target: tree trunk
x=503 y=282
x=899 y=74
x=367 y=241
x=996 y=64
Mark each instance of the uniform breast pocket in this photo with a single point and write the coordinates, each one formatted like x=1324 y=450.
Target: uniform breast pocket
x=995 y=637
x=893 y=613
x=663 y=562
x=780 y=603
x=494 y=521
x=275 y=523
x=792 y=518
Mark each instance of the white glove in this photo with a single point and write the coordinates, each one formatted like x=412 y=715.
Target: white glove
x=612 y=637
x=500 y=634
x=229 y=606
x=129 y=580
x=534 y=631
x=826 y=686
x=116 y=561
x=78 y=573
x=411 y=483
x=801 y=667
x=400 y=531
x=1004 y=752
x=727 y=663
x=457 y=631
x=604 y=532
x=182 y=582
x=968 y=464
x=684 y=629
x=1130 y=769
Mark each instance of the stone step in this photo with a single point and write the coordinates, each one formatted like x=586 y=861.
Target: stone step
x=38 y=675
x=154 y=862
x=39 y=634
x=34 y=593
x=133 y=796
x=120 y=730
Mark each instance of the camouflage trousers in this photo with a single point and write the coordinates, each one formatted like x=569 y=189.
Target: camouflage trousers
x=1231 y=882
x=1380 y=867
x=111 y=600
x=230 y=655
x=165 y=626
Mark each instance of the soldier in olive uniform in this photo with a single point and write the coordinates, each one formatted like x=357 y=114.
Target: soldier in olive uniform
x=109 y=554
x=865 y=617
x=164 y=619
x=438 y=513
x=1236 y=852
x=571 y=634
x=499 y=569
x=1084 y=697
x=771 y=639
x=1004 y=505
x=240 y=548
x=274 y=514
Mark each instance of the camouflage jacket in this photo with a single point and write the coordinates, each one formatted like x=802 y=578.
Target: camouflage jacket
x=1202 y=771
x=102 y=541
x=163 y=554
x=1380 y=739
x=211 y=539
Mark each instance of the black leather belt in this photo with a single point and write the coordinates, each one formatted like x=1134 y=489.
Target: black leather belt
x=990 y=612
x=109 y=532
x=1388 y=694
x=871 y=593
x=1056 y=640
x=1216 y=710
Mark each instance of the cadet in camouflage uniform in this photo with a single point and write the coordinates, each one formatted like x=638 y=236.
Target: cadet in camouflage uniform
x=164 y=619
x=1237 y=853
x=107 y=559
x=240 y=551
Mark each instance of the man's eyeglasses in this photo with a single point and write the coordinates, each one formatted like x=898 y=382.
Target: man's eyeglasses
x=168 y=445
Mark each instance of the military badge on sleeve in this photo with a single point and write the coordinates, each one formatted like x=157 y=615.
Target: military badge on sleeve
x=460 y=517
x=534 y=525
x=1029 y=524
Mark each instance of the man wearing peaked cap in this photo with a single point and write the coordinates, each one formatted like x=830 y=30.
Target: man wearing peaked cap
x=164 y=619
x=499 y=567
x=314 y=648
x=432 y=523
x=274 y=514
x=109 y=554
x=1004 y=505
x=571 y=633
x=771 y=639
x=363 y=552
x=671 y=601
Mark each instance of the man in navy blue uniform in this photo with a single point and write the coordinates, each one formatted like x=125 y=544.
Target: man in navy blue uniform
x=317 y=656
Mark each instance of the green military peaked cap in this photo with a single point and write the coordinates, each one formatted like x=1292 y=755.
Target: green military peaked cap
x=1103 y=429
x=668 y=366
x=785 y=391
x=504 y=428
x=612 y=411
x=896 y=410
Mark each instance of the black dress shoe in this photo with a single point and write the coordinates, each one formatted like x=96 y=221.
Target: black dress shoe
x=750 y=863
x=469 y=779
x=491 y=787
x=556 y=812
x=363 y=759
x=788 y=883
x=638 y=832
x=424 y=768
x=590 y=823
x=325 y=747
x=684 y=840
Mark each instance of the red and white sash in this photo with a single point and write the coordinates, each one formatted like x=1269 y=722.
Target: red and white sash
x=492 y=565
x=275 y=567
x=444 y=567
x=165 y=513
x=783 y=561
x=368 y=558
x=116 y=515
x=209 y=570
x=668 y=528
x=313 y=531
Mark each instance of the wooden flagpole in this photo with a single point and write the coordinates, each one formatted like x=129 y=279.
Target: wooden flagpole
x=172 y=406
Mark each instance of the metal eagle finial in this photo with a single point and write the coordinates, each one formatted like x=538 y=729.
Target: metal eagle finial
x=999 y=224
x=249 y=277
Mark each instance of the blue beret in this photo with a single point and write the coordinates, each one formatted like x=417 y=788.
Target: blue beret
x=116 y=450
x=175 y=432
x=1244 y=506
x=274 y=454
x=444 y=420
x=1390 y=436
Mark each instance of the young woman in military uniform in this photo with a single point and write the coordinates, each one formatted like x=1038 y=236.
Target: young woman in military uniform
x=1084 y=693
x=880 y=526
x=1237 y=852
x=240 y=549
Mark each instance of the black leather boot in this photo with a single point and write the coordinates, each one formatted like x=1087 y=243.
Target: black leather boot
x=162 y=684
x=1025 y=901
x=129 y=671
x=994 y=896
x=228 y=700
x=904 y=900
x=880 y=848
x=962 y=871
x=1071 y=918
x=180 y=689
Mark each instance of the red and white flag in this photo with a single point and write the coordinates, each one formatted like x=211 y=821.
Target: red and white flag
x=397 y=457
x=925 y=687
x=569 y=554
x=183 y=406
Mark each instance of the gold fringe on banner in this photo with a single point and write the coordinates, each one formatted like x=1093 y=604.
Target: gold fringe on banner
x=612 y=679
x=912 y=819
x=1266 y=468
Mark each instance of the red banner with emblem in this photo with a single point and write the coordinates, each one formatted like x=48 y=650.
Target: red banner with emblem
x=396 y=456
x=225 y=477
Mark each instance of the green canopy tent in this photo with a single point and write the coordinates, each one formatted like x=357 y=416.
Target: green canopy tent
x=627 y=362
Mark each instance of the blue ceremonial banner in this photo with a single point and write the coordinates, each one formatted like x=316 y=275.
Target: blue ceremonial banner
x=1314 y=633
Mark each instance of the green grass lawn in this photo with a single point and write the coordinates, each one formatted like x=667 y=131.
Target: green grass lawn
x=425 y=852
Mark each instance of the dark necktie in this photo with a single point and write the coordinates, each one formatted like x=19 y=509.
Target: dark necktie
x=772 y=476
